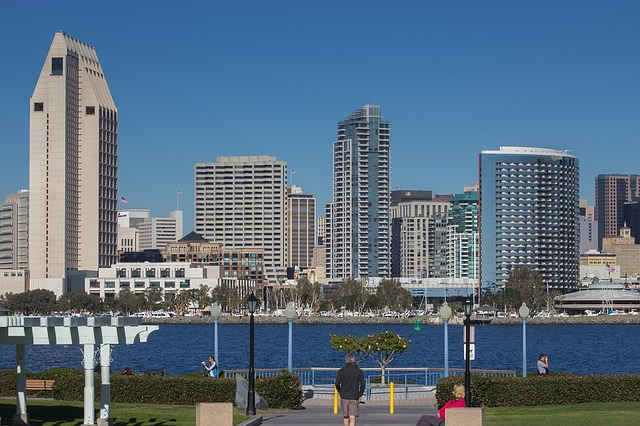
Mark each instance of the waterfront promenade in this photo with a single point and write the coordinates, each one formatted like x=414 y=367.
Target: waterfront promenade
x=371 y=413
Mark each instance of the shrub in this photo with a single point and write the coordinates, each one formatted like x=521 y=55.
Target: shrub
x=152 y=389
x=282 y=391
x=8 y=383
x=535 y=390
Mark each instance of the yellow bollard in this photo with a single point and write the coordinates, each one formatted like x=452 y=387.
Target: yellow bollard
x=391 y=396
x=335 y=401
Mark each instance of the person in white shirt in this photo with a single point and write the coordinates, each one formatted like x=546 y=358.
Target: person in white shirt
x=211 y=367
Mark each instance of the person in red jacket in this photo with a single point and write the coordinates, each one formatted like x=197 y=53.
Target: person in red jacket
x=436 y=420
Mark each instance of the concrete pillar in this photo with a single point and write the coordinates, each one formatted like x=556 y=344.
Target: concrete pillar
x=105 y=386
x=21 y=416
x=89 y=394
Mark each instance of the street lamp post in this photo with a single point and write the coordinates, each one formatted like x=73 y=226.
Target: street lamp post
x=216 y=311
x=468 y=307
x=252 y=303
x=524 y=314
x=445 y=314
x=290 y=313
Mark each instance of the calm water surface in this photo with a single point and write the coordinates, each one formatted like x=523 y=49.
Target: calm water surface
x=178 y=349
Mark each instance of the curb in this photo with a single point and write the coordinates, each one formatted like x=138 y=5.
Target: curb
x=253 y=421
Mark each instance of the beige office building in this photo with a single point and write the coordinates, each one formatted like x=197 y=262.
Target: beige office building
x=73 y=175
x=240 y=202
x=14 y=231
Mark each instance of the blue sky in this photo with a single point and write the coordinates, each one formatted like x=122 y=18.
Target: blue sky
x=198 y=80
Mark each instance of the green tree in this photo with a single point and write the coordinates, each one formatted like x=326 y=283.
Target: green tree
x=79 y=301
x=32 y=302
x=382 y=347
x=129 y=303
x=310 y=295
x=352 y=295
x=153 y=298
x=525 y=285
x=391 y=295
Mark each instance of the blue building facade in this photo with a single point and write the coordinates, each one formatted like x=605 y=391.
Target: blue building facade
x=529 y=204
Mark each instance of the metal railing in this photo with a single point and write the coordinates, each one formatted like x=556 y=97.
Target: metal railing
x=404 y=378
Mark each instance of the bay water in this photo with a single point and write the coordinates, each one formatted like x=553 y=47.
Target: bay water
x=179 y=349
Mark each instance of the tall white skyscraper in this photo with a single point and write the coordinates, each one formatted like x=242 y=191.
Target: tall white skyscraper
x=73 y=175
x=241 y=202
x=358 y=219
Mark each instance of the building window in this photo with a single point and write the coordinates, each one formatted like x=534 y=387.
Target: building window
x=38 y=106
x=91 y=110
x=56 y=66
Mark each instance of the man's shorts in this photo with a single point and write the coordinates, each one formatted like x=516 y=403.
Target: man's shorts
x=349 y=407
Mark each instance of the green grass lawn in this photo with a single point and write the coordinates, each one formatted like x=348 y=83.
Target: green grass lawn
x=618 y=413
x=71 y=413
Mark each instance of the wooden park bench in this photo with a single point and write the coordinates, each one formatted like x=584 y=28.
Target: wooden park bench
x=45 y=385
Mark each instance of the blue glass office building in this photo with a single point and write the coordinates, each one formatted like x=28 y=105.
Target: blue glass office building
x=529 y=215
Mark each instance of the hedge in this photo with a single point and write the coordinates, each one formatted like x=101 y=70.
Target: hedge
x=283 y=391
x=536 y=390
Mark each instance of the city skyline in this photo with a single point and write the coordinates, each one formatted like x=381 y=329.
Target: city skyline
x=202 y=81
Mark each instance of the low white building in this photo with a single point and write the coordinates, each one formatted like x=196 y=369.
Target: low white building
x=434 y=287
x=170 y=277
x=138 y=277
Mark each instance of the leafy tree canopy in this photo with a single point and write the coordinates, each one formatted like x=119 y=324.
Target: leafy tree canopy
x=525 y=285
x=382 y=347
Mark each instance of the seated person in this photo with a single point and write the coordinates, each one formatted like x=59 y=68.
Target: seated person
x=437 y=420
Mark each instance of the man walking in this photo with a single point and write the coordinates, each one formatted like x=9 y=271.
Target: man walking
x=350 y=386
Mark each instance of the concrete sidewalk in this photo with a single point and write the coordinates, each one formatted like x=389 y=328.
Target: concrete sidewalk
x=370 y=414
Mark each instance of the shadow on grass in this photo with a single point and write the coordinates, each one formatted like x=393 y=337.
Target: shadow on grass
x=135 y=422
x=54 y=415
x=64 y=415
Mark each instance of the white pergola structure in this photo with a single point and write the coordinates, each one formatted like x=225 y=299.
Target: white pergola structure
x=85 y=331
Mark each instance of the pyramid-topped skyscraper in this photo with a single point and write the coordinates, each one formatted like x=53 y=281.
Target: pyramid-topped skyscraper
x=73 y=175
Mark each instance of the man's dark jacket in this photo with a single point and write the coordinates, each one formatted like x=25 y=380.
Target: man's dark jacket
x=350 y=382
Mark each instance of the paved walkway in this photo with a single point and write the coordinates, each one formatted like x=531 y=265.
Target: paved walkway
x=370 y=414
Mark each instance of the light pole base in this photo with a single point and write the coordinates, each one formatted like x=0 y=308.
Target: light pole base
x=21 y=419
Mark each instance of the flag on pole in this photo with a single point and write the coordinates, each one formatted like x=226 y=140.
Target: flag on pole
x=179 y=192
x=124 y=200
x=610 y=268
x=293 y=172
